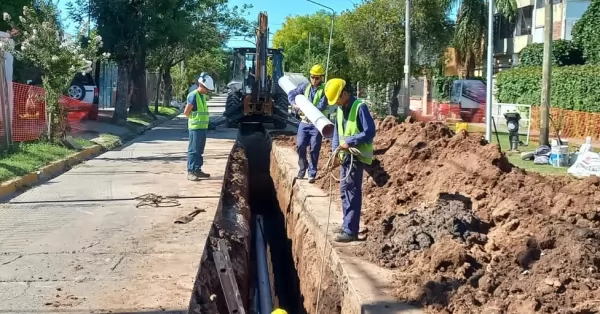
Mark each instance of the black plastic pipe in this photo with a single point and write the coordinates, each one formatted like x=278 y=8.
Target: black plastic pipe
x=262 y=267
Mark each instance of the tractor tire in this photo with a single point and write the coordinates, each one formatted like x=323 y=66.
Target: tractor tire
x=281 y=101
x=233 y=105
x=232 y=124
x=281 y=110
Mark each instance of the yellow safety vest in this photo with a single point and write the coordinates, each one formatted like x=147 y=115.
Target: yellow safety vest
x=366 y=149
x=199 y=119
x=315 y=101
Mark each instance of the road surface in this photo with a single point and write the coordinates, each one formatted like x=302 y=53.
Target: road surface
x=79 y=244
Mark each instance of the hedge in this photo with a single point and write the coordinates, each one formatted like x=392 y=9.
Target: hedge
x=564 y=52
x=573 y=87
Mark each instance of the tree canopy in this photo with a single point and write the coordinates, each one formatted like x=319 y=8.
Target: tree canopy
x=586 y=33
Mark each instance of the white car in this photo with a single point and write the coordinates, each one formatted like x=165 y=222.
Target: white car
x=83 y=88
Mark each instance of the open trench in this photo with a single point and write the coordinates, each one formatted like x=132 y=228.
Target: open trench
x=293 y=258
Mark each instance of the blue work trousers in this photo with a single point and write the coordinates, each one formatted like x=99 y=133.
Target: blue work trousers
x=196 y=150
x=351 y=194
x=308 y=134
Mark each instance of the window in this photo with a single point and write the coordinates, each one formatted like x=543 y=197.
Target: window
x=524 y=19
x=502 y=27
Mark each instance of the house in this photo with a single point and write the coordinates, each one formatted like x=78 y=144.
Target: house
x=528 y=27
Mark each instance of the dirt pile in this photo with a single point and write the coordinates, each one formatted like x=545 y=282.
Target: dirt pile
x=470 y=233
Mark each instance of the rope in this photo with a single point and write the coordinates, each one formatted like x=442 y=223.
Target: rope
x=328 y=169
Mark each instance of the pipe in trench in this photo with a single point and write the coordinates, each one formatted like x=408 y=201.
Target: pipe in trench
x=262 y=267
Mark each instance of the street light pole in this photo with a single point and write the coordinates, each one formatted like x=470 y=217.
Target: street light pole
x=407 y=58
x=330 y=35
x=490 y=72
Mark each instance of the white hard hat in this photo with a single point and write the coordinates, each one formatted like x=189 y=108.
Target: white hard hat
x=206 y=81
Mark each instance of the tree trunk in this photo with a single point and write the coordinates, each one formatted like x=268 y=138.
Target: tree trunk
x=122 y=100
x=160 y=71
x=139 y=102
x=168 y=85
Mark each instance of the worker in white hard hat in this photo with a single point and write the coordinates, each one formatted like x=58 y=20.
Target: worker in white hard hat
x=196 y=111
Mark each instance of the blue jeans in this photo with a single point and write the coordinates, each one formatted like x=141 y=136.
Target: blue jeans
x=195 y=150
x=351 y=194
x=308 y=134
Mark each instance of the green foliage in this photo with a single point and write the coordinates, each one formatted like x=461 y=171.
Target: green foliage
x=294 y=35
x=39 y=39
x=573 y=87
x=12 y=8
x=443 y=85
x=564 y=52
x=586 y=33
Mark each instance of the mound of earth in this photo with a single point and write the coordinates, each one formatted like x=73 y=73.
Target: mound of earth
x=469 y=233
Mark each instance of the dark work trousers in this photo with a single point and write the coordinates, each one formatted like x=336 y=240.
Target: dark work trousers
x=351 y=194
x=196 y=150
x=308 y=134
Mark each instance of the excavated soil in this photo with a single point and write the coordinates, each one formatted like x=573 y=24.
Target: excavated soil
x=469 y=233
x=231 y=223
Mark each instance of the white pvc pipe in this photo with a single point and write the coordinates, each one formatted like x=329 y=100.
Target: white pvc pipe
x=313 y=114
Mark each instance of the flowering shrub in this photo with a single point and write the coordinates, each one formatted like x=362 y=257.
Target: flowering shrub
x=40 y=39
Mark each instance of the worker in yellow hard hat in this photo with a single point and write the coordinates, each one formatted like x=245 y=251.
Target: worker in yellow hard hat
x=354 y=127
x=279 y=311
x=308 y=134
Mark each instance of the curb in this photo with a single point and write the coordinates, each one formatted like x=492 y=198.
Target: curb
x=59 y=167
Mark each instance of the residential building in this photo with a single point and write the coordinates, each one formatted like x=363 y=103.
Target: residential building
x=528 y=27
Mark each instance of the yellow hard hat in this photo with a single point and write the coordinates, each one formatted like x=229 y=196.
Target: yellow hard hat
x=317 y=69
x=333 y=90
x=279 y=311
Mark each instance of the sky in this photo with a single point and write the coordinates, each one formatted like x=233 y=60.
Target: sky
x=277 y=13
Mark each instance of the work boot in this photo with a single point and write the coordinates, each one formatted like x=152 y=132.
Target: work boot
x=301 y=175
x=192 y=176
x=311 y=179
x=345 y=238
x=202 y=175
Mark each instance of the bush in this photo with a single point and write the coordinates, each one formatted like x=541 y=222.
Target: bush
x=573 y=87
x=585 y=33
x=564 y=52
x=443 y=85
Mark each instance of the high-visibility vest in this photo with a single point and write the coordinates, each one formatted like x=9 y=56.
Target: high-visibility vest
x=315 y=101
x=366 y=149
x=199 y=119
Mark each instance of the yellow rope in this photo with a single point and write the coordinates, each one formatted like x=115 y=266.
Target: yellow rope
x=328 y=170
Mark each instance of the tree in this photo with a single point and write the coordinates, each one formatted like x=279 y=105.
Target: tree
x=470 y=29
x=585 y=33
x=294 y=35
x=39 y=38
x=374 y=40
x=12 y=8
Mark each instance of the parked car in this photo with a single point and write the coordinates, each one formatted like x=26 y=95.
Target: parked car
x=84 y=88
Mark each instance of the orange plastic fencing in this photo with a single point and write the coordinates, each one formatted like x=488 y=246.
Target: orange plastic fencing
x=29 y=112
x=572 y=124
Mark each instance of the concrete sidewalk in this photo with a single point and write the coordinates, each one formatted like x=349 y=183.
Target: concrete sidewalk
x=78 y=243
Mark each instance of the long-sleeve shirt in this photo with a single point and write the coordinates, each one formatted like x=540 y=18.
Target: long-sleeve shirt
x=322 y=105
x=365 y=122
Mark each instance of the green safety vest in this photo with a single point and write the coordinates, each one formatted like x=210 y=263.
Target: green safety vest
x=366 y=149
x=315 y=100
x=198 y=119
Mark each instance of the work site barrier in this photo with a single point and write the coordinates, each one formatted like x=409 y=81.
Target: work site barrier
x=572 y=124
x=29 y=112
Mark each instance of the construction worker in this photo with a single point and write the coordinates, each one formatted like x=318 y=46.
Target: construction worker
x=354 y=128
x=196 y=111
x=308 y=134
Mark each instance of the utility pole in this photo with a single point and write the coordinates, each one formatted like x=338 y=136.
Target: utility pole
x=490 y=73
x=407 y=57
x=546 y=75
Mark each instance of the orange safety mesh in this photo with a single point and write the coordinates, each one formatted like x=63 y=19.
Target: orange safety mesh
x=572 y=124
x=29 y=112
